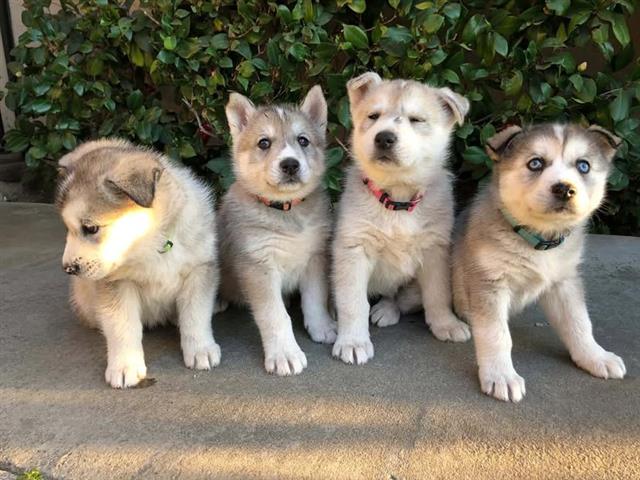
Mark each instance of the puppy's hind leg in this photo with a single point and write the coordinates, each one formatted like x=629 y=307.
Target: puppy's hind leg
x=263 y=287
x=565 y=307
x=388 y=310
x=435 y=282
x=314 y=293
x=195 y=310
x=119 y=318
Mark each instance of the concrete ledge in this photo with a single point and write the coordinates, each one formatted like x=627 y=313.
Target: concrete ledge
x=414 y=412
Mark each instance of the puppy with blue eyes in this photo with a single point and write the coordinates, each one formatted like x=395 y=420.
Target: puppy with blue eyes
x=275 y=223
x=522 y=240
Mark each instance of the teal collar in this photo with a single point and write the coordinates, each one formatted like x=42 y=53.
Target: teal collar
x=536 y=241
x=168 y=245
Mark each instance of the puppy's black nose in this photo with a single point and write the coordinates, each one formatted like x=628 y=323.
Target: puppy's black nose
x=71 y=268
x=563 y=191
x=290 y=166
x=385 y=140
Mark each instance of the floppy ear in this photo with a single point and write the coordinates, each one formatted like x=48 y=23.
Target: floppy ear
x=500 y=141
x=314 y=106
x=239 y=110
x=610 y=141
x=137 y=182
x=455 y=104
x=359 y=86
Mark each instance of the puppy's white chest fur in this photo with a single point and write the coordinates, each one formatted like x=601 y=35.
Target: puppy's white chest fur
x=394 y=241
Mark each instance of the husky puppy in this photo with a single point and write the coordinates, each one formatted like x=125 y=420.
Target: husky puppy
x=523 y=240
x=141 y=249
x=275 y=223
x=396 y=213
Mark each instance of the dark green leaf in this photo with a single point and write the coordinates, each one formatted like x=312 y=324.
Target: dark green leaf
x=356 y=36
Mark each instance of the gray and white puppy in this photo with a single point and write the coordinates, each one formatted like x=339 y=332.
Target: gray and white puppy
x=275 y=223
x=396 y=213
x=141 y=247
x=523 y=240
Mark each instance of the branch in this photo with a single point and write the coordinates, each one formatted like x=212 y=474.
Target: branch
x=201 y=127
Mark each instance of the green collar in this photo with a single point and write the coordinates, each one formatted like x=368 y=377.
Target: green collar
x=168 y=245
x=536 y=241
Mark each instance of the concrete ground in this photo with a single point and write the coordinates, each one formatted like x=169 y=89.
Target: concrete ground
x=414 y=412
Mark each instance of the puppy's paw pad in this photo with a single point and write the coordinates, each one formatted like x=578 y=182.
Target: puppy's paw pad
x=202 y=358
x=603 y=365
x=353 y=350
x=323 y=332
x=385 y=313
x=504 y=384
x=125 y=373
x=289 y=361
x=453 y=330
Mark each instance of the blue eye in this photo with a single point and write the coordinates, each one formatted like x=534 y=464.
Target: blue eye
x=535 y=164
x=583 y=166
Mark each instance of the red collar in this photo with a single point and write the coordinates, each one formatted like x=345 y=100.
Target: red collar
x=387 y=202
x=284 y=206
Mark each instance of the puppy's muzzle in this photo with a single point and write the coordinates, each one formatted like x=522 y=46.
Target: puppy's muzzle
x=71 y=268
x=563 y=191
x=385 y=140
x=290 y=167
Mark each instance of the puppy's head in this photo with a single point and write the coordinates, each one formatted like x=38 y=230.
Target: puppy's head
x=106 y=195
x=552 y=176
x=278 y=151
x=402 y=128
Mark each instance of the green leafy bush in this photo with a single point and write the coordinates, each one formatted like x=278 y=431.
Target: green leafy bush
x=160 y=73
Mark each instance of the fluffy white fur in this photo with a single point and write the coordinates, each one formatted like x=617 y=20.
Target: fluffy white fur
x=267 y=253
x=124 y=282
x=378 y=251
x=496 y=273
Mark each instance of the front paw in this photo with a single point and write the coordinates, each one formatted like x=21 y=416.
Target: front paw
x=450 y=329
x=502 y=382
x=322 y=330
x=125 y=370
x=285 y=360
x=602 y=364
x=201 y=357
x=352 y=349
x=385 y=313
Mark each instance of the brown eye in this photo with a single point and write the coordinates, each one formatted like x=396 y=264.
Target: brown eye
x=303 y=141
x=374 y=116
x=89 y=230
x=416 y=120
x=264 y=144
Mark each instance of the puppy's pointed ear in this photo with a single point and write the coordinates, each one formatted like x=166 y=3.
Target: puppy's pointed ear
x=500 y=141
x=359 y=86
x=607 y=139
x=455 y=105
x=239 y=110
x=135 y=177
x=314 y=106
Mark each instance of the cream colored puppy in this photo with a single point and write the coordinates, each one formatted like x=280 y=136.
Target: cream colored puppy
x=141 y=248
x=275 y=223
x=396 y=213
x=523 y=240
